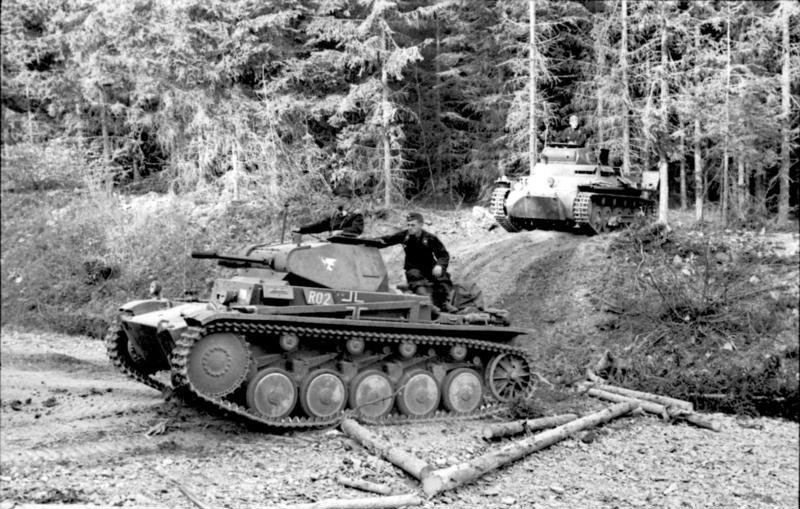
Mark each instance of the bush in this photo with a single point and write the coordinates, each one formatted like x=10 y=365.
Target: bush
x=712 y=320
x=53 y=165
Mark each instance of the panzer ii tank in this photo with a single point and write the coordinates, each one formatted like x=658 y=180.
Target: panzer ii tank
x=305 y=332
x=569 y=188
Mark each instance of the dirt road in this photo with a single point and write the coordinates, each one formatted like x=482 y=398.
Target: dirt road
x=74 y=430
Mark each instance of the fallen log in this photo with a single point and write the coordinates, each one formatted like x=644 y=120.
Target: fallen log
x=12 y=505
x=407 y=461
x=674 y=413
x=361 y=503
x=444 y=479
x=647 y=396
x=363 y=485
x=504 y=429
x=699 y=421
x=647 y=406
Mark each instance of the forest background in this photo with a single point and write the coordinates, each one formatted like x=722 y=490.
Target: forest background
x=236 y=112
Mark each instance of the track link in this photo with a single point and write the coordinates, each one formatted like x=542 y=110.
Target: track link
x=498 y=209
x=117 y=351
x=183 y=347
x=586 y=203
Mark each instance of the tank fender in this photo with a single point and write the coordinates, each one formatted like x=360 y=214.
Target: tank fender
x=138 y=307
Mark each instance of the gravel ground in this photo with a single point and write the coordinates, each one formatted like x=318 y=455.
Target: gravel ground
x=75 y=431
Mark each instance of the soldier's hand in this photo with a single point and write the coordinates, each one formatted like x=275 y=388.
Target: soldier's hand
x=437 y=270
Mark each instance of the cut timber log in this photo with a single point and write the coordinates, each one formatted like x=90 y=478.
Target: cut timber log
x=647 y=396
x=676 y=413
x=447 y=478
x=361 y=503
x=700 y=421
x=504 y=429
x=362 y=485
x=408 y=462
x=647 y=406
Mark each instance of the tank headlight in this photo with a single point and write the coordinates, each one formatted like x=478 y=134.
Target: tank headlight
x=551 y=181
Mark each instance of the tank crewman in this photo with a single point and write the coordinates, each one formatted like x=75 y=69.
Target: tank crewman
x=345 y=217
x=573 y=134
x=426 y=261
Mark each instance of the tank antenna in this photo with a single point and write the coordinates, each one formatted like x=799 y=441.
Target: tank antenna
x=283 y=226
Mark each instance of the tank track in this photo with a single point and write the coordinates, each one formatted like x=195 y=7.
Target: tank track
x=585 y=201
x=581 y=208
x=116 y=349
x=180 y=356
x=498 y=209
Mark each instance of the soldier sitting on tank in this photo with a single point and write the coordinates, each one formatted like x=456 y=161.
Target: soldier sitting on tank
x=426 y=261
x=346 y=218
x=573 y=134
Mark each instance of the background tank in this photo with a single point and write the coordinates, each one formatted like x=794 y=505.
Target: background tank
x=305 y=332
x=569 y=188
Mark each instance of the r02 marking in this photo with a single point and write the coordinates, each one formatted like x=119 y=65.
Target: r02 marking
x=317 y=298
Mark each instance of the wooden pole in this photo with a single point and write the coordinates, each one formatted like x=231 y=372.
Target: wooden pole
x=647 y=406
x=677 y=413
x=504 y=429
x=655 y=398
x=363 y=485
x=360 y=503
x=408 y=462
x=464 y=473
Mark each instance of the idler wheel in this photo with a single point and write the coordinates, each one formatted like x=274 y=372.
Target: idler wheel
x=419 y=394
x=218 y=364
x=462 y=390
x=272 y=393
x=322 y=393
x=371 y=393
x=509 y=376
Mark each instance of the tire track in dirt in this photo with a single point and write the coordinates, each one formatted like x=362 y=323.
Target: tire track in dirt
x=98 y=451
x=496 y=264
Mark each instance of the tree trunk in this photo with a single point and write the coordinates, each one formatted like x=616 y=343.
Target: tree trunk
x=504 y=429
x=464 y=473
x=387 y=161
x=684 y=199
x=655 y=398
x=741 y=188
x=699 y=187
x=663 y=164
x=623 y=63
x=363 y=485
x=672 y=412
x=725 y=151
x=360 y=503
x=532 y=148
x=783 y=173
x=647 y=406
x=408 y=462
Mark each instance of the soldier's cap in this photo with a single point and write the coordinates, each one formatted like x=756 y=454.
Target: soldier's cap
x=414 y=216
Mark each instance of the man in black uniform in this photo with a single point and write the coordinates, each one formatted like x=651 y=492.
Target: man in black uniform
x=573 y=134
x=345 y=218
x=426 y=261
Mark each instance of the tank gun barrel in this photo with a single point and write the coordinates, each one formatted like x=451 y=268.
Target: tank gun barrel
x=213 y=255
